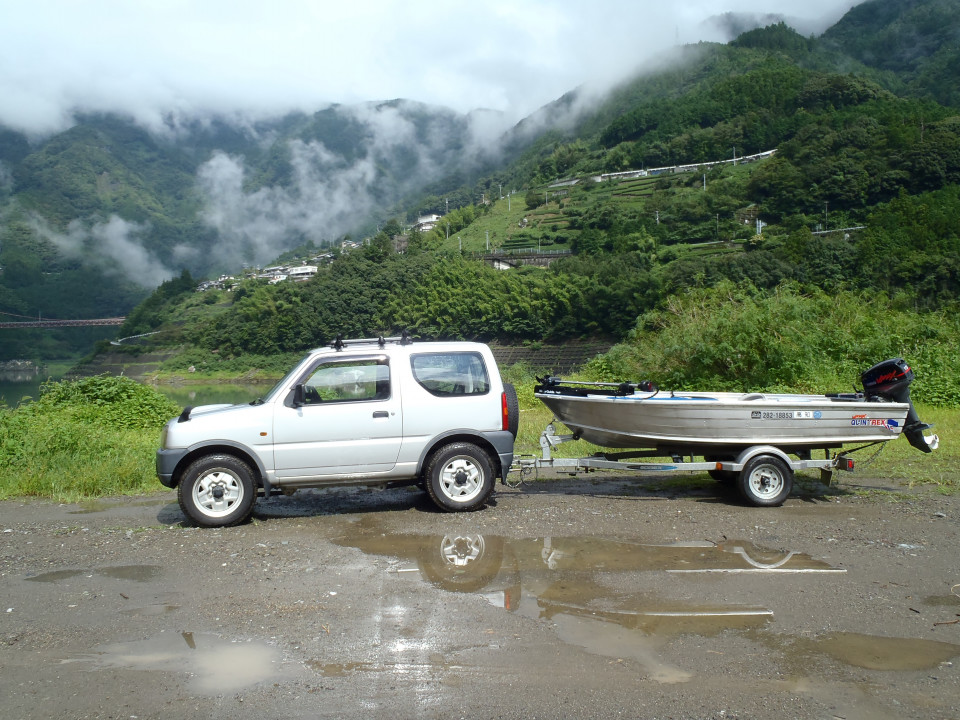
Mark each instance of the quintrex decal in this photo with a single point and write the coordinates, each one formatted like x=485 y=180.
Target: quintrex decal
x=858 y=420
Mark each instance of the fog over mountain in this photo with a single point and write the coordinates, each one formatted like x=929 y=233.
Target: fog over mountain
x=185 y=71
x=165 y=62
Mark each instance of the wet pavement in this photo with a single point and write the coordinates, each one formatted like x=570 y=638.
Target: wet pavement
x=568 y=598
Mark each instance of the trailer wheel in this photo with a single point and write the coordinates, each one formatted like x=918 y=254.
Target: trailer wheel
x=766 y=481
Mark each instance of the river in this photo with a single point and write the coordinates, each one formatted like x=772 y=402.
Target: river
x=19 y=387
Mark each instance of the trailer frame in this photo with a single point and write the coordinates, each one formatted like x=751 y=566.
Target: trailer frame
x=763 y=474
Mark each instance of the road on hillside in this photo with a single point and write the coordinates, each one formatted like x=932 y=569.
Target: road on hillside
x=594 y=598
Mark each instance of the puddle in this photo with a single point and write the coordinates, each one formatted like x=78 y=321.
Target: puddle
x=869 y=652
x=151 y=610
x=337 y=669
x=136 y=573
x=89 y=507
x=873 y=652
x=585 y=587
x=55 y=576
x=214 y=666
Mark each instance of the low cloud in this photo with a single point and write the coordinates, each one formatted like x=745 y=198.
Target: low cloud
x=323 y=202
x=329 y=195
x=114 y=246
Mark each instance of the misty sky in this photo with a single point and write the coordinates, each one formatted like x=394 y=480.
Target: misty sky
x=251 y=58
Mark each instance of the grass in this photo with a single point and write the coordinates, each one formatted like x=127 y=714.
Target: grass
x=98 y=437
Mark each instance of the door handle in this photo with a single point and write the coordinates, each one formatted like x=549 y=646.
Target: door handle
x=381 y=414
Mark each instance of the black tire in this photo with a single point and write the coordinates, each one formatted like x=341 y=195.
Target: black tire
x=459 y=477
x=217 y=491
x=765 y=481
x=513 y=409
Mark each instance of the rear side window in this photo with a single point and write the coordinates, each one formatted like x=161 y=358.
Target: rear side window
x=451 y=374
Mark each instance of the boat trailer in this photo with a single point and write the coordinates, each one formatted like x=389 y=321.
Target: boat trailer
x=763 y=474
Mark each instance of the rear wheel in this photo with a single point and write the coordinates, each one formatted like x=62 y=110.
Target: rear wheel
x=766 y=481
x=217 y=491
x=459 y=477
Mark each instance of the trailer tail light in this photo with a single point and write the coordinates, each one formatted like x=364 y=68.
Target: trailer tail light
x=504 y=411
x=845 y=464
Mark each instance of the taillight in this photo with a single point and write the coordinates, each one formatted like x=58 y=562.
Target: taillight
x=504 y=411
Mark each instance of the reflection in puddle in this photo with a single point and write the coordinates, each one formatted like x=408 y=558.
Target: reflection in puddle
x=586 y=587
x=136 y=573
x=214 y=665
x=873 y=652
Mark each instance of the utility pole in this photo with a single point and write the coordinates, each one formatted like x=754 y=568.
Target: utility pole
x=734 y=155
x=488 y=241
x=826 y=217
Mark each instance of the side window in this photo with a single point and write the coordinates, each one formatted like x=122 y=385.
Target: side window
x=348 y=381
x=451 y=374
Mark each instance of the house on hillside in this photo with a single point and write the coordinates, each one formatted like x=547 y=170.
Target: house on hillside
x=302 y=273
x=427 y=223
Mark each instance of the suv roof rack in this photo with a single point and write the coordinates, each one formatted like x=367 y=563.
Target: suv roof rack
x=403 y=339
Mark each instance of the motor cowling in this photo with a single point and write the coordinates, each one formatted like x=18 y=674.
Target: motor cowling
x=890 y=380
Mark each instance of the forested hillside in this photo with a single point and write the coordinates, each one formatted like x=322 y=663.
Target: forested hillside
x=861 y=199
x=93 y=218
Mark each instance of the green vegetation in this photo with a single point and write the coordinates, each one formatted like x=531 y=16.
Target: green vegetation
x=858 y=259
x=734 y=337
x=81 y=439
x=97 y=437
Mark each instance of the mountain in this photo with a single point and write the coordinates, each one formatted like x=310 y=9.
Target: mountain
x=916 y=42
x=93 y=218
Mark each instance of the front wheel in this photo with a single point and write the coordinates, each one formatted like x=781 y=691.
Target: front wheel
x=766 y=481
x=459 y=477
x=217 y=491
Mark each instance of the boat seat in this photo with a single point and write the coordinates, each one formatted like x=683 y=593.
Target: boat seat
x=753 y=396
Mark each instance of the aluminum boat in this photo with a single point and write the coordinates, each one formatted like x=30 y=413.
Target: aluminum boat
x=640 y=415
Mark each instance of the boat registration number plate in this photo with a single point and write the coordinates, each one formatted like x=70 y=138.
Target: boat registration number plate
x=784 y=415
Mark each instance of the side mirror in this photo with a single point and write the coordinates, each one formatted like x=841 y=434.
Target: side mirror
x=298 y=395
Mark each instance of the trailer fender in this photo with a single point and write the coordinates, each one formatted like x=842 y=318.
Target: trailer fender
x=747 y=454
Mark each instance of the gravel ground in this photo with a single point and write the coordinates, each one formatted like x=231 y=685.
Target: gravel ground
x=595 y=597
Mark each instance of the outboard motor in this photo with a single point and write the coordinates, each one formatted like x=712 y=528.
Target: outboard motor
x=890 y=380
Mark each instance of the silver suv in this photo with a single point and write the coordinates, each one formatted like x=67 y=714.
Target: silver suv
x=361 y=412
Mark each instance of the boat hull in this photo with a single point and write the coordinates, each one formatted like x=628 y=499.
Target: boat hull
x=723 y=420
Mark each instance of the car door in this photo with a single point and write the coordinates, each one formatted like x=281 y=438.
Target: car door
x=350 y=421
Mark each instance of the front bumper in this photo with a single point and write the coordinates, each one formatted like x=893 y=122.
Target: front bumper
x=167 y=461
